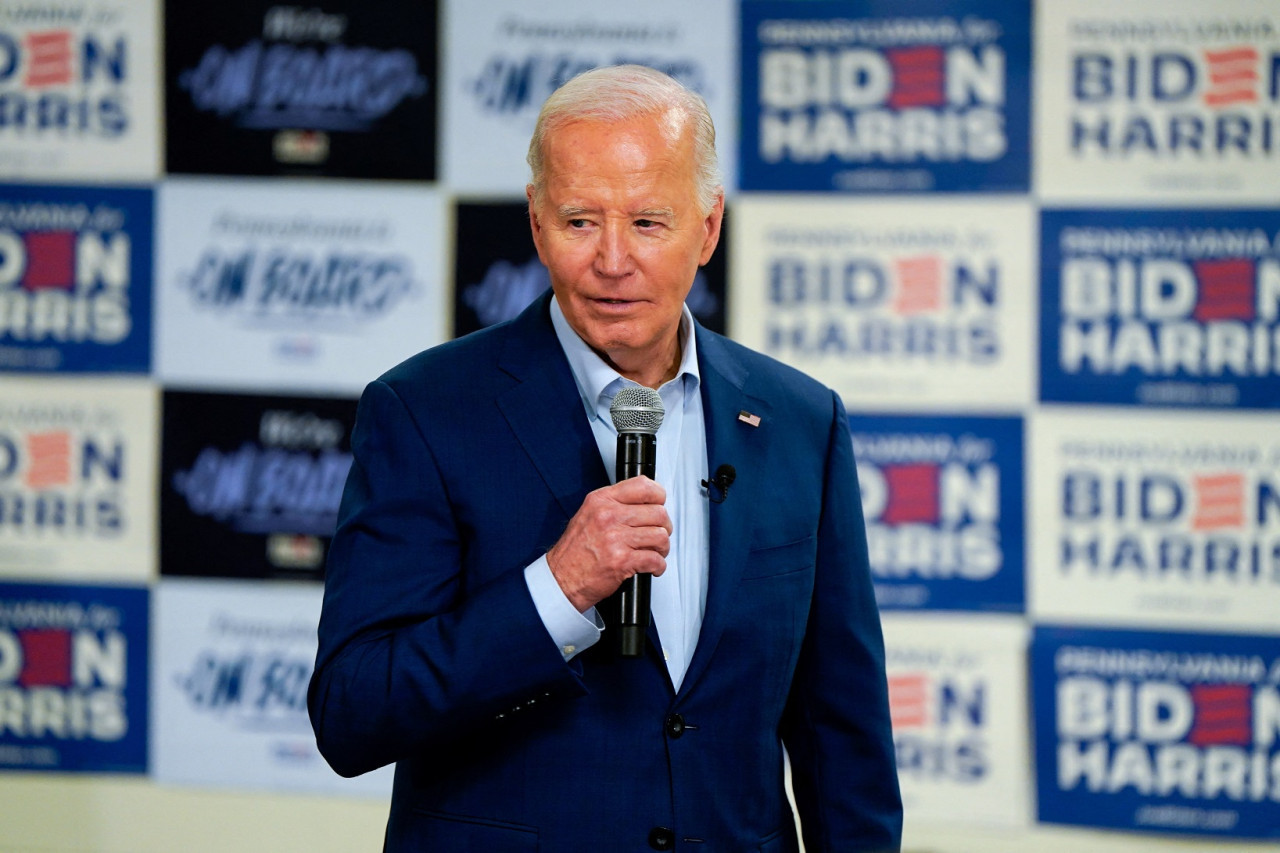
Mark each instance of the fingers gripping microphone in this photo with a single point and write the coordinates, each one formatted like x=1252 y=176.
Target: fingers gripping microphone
x=637 y=414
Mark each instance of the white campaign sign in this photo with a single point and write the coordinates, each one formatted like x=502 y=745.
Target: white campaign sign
x=1159 y=519
x=78 y=478
x=504 y=57
x=301 y=286
x=79 y=90
x=232 y=664
x=1173 y=100
x=957 y=693
x=908 y=305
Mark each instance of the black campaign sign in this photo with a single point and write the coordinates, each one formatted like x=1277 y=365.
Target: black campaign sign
x=250 y=484
x=347 y=88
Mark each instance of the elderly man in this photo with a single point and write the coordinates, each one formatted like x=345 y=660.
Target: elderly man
x=469 y=602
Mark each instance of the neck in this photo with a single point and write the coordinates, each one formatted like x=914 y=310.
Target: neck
x=651 y=372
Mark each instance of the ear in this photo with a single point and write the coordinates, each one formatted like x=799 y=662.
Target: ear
x=712 y=225
x=535 y=226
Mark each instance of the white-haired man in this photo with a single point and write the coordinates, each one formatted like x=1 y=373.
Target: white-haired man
x=469 y=601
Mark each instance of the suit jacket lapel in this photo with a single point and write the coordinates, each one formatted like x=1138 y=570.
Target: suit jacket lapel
x=544 y=409
x=730 y=441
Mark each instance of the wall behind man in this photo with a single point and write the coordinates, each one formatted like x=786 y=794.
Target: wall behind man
x=1034 y=245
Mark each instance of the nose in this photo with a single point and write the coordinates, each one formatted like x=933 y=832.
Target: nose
x=613 y=253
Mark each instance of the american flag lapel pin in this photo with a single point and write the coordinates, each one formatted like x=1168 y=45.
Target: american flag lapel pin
x=748 y=418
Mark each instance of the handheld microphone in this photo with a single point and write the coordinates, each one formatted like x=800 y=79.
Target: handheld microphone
x=637 y=414
x=720 y=481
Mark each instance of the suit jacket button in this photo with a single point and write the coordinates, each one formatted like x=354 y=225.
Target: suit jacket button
x=661 y=838
x=675 y=725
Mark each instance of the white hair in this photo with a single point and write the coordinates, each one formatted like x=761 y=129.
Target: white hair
x=620 y=92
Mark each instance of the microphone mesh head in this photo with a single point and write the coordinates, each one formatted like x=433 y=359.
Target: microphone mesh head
x=636 y=409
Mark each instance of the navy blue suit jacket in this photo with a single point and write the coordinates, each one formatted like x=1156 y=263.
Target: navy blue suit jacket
x=470 y=459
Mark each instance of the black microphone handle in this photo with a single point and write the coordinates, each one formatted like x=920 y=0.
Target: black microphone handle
x=637 y=452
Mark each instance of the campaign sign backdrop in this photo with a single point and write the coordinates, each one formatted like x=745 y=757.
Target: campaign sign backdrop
x=1161 y=307
x=344 y=88
x=504 y=57
x=317 y=285
x=886 y=95
x=1158 y=732
x=250 y=485
x=902 y=305
x=942 y=499
x=1173 y=100
x=957 y=700
x=75 y=278
x=79 y=96
x=497 y=272
x=77 y=478
x=229 y=700
x=1150 y=519
x=73 y=678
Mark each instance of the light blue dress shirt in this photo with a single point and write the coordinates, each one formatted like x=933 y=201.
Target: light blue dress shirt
x=679 y=597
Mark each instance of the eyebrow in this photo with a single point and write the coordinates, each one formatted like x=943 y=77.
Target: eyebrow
x=571 y=211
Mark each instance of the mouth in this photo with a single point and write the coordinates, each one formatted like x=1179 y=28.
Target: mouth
x=608 y=303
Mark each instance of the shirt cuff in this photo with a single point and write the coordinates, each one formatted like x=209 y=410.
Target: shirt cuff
x=572 y=631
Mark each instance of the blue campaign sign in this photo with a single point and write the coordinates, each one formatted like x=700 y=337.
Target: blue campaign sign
x=75 y=279
x=1160 y=307
x=943 y=503
x=885 y=96
x=73 y=678
x=1157 y=732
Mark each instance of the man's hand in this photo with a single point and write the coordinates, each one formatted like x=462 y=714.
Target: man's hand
x=619 y=531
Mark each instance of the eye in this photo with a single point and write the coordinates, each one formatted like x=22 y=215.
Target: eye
x=647 y=223
x=577 y=223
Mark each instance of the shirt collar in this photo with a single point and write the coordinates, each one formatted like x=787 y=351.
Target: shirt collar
x=596 y=379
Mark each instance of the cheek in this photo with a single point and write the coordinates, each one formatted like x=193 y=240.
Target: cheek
x=563 y=264
x=674 y=270
x=565 y=258
x=666 y=258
